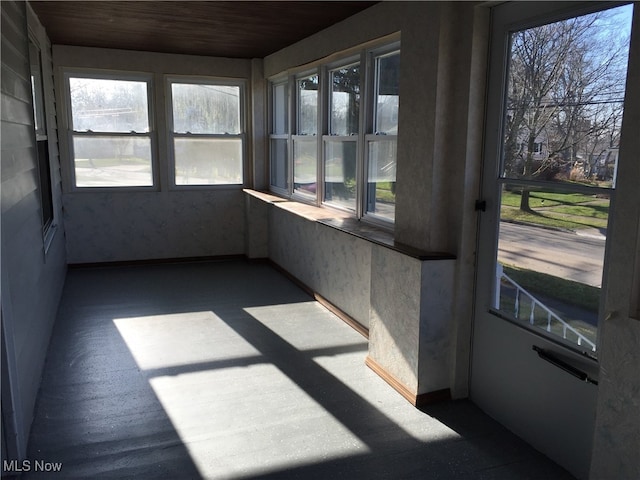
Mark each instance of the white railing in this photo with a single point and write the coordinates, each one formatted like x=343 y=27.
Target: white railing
x=535 y=303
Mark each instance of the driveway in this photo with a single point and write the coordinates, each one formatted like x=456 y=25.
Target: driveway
x=562 y=254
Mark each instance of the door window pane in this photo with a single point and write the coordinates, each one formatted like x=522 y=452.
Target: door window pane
x=551 y=260
x=564 y=100
x=208 y=161
x=340 y=173
x=562 y=120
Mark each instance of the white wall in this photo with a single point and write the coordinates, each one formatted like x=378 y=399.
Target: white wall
x=112 y=225
x=332 y=263
x=32 y=280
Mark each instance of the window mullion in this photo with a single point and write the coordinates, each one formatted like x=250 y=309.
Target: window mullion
x=323 y=108
x=292 y=105
x=362 y=120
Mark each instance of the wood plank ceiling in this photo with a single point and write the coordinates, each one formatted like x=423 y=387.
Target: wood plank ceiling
x=237 y=29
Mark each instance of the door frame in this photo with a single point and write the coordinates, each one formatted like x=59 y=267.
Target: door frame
x=499 y=399
x=508 y=17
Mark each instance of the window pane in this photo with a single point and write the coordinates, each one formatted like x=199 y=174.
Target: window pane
x=381 y=183
x=345 y=100
x=112 y=161
x=387 y=94
x=551 y=261
x=304 y=166
x=101 y=105
x=208 y=161
x=565 y=97
x=44 y=167
x=280 y=117
x=46 y=195
x=37 y=92
x=199 y=108
x=340 y=173
x=279 y=163
x=308 y=106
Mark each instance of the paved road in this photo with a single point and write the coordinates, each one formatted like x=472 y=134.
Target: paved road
x=561 y=254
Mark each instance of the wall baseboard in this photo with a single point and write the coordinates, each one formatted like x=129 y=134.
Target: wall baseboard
x=417 y=400
x=158 y=261
x=346 y=318
x=352 y=322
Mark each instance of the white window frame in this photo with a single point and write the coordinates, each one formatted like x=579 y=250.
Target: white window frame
x=366 y=57
x=298 y=137
x=151 y=134
x=372 y=136
x=275 y=136
x=171 y=134
x=357 y=138
x=537 y=148
x=41 y=135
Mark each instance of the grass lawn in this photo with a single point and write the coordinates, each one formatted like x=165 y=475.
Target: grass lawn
x=579 y=294
x=546 y=199
x=593 y=211
x=551 y=219
x=568 y=211
x=384 y=193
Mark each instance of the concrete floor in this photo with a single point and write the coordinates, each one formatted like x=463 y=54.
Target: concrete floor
x=228 y=370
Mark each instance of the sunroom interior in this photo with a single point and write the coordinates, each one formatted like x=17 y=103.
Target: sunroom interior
x=388 y=241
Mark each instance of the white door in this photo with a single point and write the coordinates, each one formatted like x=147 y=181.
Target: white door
x=556 y=90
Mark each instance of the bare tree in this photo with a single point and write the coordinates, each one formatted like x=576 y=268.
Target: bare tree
x=564 y=86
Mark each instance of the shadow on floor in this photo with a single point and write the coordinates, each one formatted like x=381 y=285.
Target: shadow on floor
x=228 y=370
